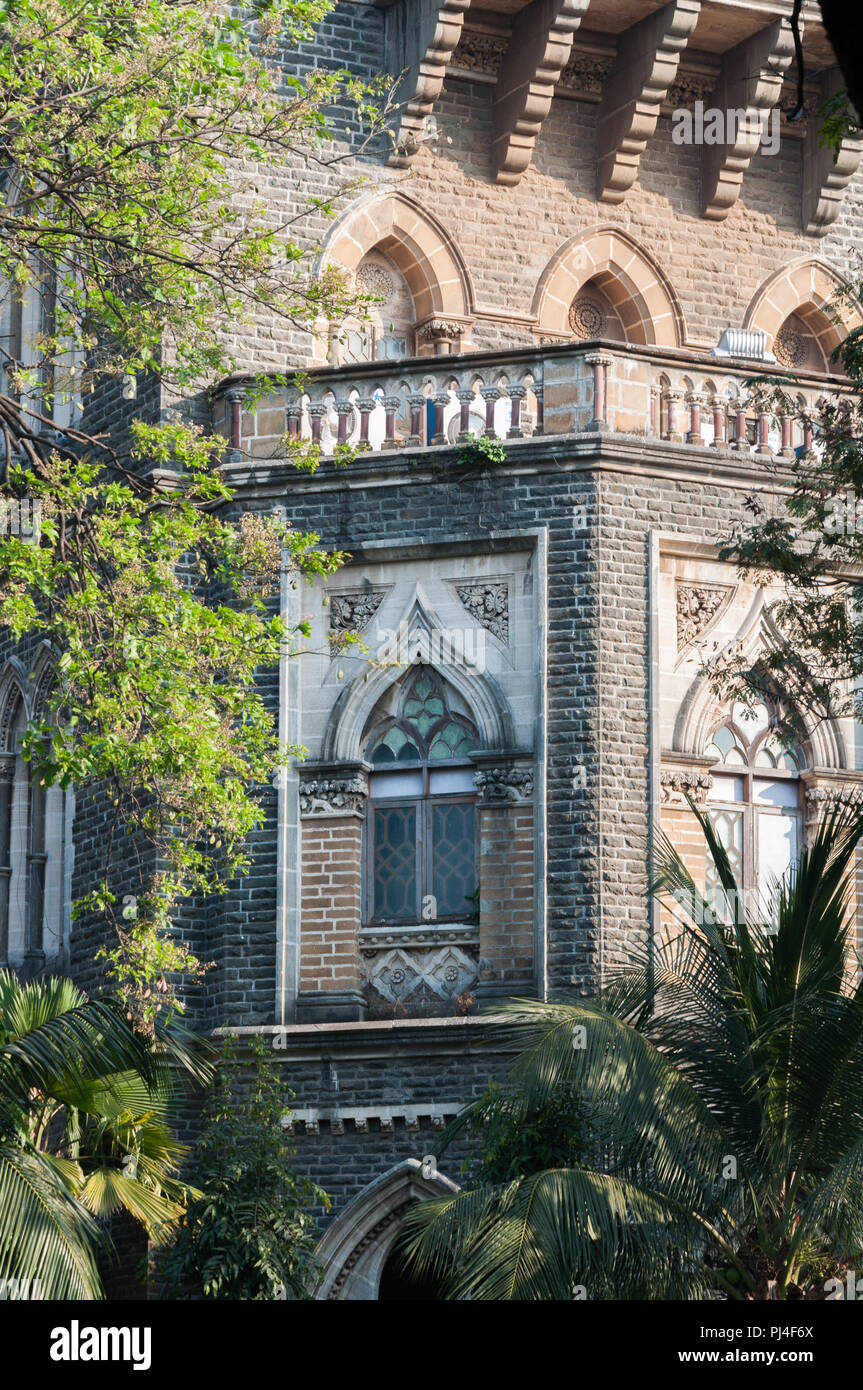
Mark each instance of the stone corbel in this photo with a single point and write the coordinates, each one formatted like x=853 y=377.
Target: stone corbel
x=678 y=783
x=647 y=59
x=420 y=40
x=825 y=178
x=440 y=336
x=504 y=780
x=333 y=789
x=750 y=80
x=538 y=51
x=823 y=798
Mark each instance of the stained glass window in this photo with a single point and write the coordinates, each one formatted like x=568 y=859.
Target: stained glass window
x=422 y=834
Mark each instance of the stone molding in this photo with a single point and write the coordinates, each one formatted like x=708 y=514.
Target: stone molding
x=360 y=1116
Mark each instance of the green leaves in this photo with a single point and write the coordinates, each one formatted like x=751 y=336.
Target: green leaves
x=85 y=1106
x=135 y=128
x=250 y=1233
x=697 y=1128
x=163 y=613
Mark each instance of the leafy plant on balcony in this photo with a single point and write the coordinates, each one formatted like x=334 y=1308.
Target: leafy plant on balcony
x=480 y=450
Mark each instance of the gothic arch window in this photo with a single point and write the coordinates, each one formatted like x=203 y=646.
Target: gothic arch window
x=420 y=846
x=756 y=801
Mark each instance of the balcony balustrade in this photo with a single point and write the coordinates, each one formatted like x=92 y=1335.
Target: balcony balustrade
x=660 y=394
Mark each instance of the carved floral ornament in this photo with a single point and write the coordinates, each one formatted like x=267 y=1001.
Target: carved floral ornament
x=488 y=602
x=586 y=317
x=353 y=610
x=825 y=800
x=697 y=606
x=676 y=786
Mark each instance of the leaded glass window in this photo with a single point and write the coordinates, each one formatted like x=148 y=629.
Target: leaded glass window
x=421 y=841
x=755 y=804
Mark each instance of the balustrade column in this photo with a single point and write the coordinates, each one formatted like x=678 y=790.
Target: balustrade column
x=491 y=396
x=365 y=406
x=763 y=446
x=417 y=405
x=392 y=404
x=345 y=411
x=316 y=415
x=537 y=391
x=741 y=442
x=516 y=429
x=673 y=433
x=235 y=423
x=787 y=451
x=718 y=407
x=441 y=401
x=293 y=415
x=694 y=402
x=600 y=362
x=807 y=433
x=465 y=399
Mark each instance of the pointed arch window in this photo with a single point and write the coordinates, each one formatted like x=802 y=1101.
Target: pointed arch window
x=421 y=833
x=756 y=801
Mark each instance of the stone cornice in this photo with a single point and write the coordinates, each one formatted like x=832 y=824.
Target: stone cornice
x=379 y=1038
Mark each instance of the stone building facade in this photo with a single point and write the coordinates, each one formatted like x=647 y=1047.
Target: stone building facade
x=484 y=773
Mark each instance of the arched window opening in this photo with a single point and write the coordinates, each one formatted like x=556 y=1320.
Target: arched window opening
x=592 y=313
x=421 y=833
x=755 y=803
x=33 y=888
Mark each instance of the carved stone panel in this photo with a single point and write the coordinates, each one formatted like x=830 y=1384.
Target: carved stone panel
x=408 y=977
x=676 y=786
x=352 y=611
x=333 y=796
x=488 y=602
x=697 y=606
x=504 y=783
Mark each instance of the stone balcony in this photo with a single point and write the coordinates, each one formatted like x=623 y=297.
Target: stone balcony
x=557 y=389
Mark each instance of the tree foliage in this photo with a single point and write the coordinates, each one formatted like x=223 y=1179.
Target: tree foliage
x=136 y=137
x=85 y=1113
x=250 y=1234
x=723 y=1086
x=808 y=540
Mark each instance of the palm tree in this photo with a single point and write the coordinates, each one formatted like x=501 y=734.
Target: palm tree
x=85 y=1104
x=721 y=1077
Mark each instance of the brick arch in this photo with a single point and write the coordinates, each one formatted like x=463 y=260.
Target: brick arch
x=637 y=288
x=813 y=291
x=416 y=243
